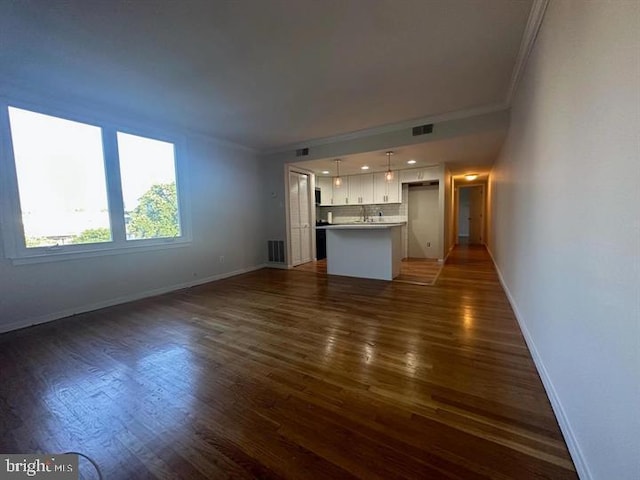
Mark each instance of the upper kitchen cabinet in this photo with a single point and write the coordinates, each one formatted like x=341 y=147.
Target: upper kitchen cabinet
x=361 y=189
x=420 y=174
x=386 y=192
x=325 y=184
x=341 y=193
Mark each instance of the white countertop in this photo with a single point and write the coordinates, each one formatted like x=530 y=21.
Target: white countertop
x=360 y=226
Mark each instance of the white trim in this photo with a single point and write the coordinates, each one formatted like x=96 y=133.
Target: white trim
x=391 y=127
x=10 y=211
x=87 y=108
x=279 y=266
x=289 y=168
x=124 y=299
x=223 y=142
x=46 y=255
x=536 y=15
x=565 y=427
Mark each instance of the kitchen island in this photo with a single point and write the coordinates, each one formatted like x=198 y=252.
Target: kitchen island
x=365 y=250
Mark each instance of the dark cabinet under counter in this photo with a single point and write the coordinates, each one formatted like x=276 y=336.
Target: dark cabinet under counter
x=321 y=241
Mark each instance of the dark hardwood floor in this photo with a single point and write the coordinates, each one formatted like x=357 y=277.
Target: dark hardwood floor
x=419 y=271
x=290 y=374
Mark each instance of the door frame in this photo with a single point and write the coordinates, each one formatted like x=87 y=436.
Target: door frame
x=457 y=210
x=288 y=168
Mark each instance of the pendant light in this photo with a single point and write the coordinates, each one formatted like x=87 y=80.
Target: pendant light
x=337 y=181
x=389 y=175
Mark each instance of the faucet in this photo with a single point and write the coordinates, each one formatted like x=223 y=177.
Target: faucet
x=365 y=216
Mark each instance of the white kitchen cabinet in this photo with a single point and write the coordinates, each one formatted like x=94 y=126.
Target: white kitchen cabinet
x=361 y=189
x=386 y=192
x=366 y=189
x=325 y=184
x=420 y=174
x=341 y=193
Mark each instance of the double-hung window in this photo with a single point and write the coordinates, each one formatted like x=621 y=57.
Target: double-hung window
x=72 y=189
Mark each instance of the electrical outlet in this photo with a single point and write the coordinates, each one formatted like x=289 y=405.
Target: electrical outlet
x=221 y=258
x=428 y=244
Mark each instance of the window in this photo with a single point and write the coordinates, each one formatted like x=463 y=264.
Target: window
x=75 y=188
x=148 y=172
x=61 y=180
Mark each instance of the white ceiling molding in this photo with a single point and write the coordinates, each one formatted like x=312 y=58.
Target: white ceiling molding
x=534 y=22
x=528 y=39
x=29 y=97
x=393 y=127
x=223 y=141
x=344 y=79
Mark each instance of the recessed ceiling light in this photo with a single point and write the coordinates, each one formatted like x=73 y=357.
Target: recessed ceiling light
x=411 y=162
x=364 y=167
x=325 y=172
x=471 y=176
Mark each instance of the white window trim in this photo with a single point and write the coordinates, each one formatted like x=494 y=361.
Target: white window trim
x=10 y=213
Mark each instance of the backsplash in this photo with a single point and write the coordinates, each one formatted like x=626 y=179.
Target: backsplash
x=393 y=212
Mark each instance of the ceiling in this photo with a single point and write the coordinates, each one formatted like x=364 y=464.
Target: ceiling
x=472 y=153
x=268 y=73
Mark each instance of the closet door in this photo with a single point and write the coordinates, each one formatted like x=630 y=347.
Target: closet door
x=299 y=218
x=305 y=218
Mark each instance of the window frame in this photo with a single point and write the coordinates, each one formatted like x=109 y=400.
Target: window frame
x=11 y=214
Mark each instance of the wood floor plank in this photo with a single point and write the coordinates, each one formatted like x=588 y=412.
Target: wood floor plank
x=290 y=374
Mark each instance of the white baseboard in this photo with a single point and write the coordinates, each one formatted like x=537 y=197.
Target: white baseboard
x=281 y=266
x=7 y=327
x=567 y=432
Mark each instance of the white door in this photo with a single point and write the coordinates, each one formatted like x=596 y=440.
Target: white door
x=423 y=226
x=463 y=215
x=300 y=218
x=476 y=209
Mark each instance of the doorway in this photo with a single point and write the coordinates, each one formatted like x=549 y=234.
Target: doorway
x=423 y=226
x=470 y=226
x=300 y=217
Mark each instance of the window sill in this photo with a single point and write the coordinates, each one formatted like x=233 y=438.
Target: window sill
x=58 y=256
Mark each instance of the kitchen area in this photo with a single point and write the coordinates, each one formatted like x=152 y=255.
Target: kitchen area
x=363 y=221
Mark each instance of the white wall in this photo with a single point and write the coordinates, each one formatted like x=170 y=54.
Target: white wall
x=224 y=192
x=565 y=234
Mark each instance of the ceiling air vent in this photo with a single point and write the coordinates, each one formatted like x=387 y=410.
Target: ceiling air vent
x=422 y=129
x=302 y=152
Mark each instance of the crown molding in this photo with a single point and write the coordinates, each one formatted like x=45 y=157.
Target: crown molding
x=391 y=127
x=531 y=30
x=534 y=21
x=536 y=15
x=222 y=141
x=11 y=91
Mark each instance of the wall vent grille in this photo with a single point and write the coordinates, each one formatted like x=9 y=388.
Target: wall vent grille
x=422 y=129
x=302 y=152
x=276 y=251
